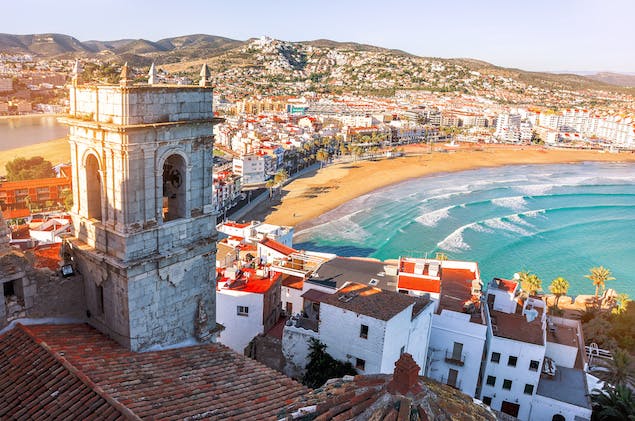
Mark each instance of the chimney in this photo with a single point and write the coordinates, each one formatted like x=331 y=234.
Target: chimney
x=206 y=74
x=152 y=75
x=405 y=379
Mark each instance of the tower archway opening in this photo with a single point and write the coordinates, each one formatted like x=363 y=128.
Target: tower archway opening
x=93 y=188
x=174 y=190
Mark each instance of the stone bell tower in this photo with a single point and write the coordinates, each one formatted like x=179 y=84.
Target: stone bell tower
x=145 y=233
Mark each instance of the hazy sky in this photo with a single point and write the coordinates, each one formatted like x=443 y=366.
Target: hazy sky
x=554 y=35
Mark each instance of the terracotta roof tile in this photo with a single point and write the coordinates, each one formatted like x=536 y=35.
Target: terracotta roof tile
x=204 y=381
x=36 y=383
x=370 y=301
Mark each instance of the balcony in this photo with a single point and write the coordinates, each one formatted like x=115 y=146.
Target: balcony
x=452 y=383
x=454 y=358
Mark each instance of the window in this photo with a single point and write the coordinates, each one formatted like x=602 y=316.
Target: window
x=534 y=365
x=529 y=389
x=496 y=357
x=487 y=400
x=360 y=364
x=558 y=417
x=491 y=380
x=363 y=332
x=242 y=311
x=512 y=361
x=9 y=289
x=93 y=188
x=507 y=384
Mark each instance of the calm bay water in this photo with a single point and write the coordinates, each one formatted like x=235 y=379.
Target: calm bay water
x=24 y=131
x=554 y=220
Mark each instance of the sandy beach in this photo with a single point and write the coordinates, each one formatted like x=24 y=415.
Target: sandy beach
x=312 y=195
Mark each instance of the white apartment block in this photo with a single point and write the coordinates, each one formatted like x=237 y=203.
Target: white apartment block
x=251 y=168
x=362 y=324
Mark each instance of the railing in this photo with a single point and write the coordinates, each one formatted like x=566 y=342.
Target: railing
x=456 y=359
x=456 y=384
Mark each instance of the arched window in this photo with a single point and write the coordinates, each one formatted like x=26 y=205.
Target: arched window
x=93 y=188
x=174 y=173
x=558 y=417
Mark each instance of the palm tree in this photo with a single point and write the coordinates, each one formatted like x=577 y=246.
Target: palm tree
x=613 y=404
x=322 y=156
x=559 y=287
x=280 y=177
x=599 y=275
x=621 y=303
x=530 y=282
x=269 y=184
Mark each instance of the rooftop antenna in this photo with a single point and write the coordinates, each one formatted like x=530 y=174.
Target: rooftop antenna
x=152 y=75
x=125 y=76
x=205 y=74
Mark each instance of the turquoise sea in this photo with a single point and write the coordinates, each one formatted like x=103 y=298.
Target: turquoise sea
x=553 y=220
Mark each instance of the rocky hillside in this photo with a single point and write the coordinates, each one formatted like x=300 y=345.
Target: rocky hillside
x=269 y=66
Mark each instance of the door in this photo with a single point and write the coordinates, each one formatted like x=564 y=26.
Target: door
x=457 y=351
x=452 y=376
x=510 y=408
x=289 y=309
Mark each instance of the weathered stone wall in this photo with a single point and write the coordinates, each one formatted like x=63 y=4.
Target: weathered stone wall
x=146 y=279
x=39 y=293
x=140 y=104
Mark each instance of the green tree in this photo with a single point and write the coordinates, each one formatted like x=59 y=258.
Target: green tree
x=322 y=156
x=559 y=287
x=29 y=169
x=530 y=282
x=621 y=303
x=270 y=184
x=613 y=404
x=619 y=371
x=67 y=199
x=599 y=276
x=322 y=366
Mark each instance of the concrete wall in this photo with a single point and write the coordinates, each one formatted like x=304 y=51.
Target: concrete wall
x=340 y=329
x=543 y=408
x=519 y=375
x=447 y=328
x=562 y=354
x=419 y=337
x=239 y=330
x=295 y=348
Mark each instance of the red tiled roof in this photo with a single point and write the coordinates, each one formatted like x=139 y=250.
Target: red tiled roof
x=36 y=383
x=370 y=301
x=254 y=283
x=291 y=281
x=516 y=327
x=48 y=256
x=276 y=246
x=315 y=295
x=205 y=381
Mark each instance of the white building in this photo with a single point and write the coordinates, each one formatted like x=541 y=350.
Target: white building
x=251 y=168
x=364 y=325
x=459 y=324
x=247 y=304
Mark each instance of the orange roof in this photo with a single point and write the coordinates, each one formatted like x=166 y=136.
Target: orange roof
x=250 y=283
x=276 y=246
x=17 y=213
x=39 y=182
x=419 y=284
x=236 y=224
x=290 y=281
x=48 y=256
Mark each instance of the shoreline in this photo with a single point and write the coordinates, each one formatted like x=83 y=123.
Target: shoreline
x=26 y=116
x=305 y=199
